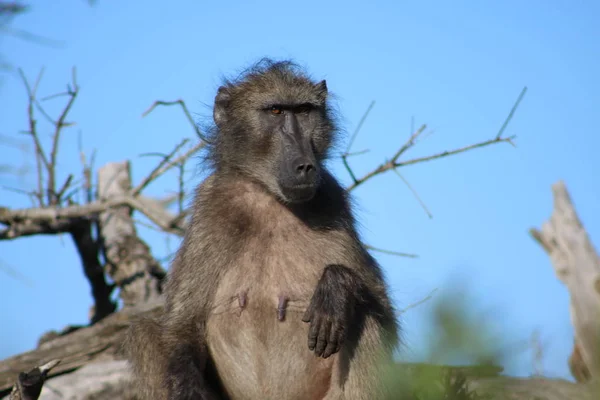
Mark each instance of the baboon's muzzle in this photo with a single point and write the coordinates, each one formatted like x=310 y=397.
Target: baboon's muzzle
x=299 y=173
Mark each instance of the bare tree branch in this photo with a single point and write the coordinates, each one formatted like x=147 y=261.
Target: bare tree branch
x=40 y=156
x=53 y=199
x=511 y=113
x=156 y=172
x=353 y=137
x=393 y=163
x=64 y=187
x=48 y=216
x=414 y=192
x=390 y=165
x=390 y=252
x=181 y=103
x=88 y=249
x=29 y=228
x=86 y=171
x=418 y=303
x=15 y=274
x=181 y=159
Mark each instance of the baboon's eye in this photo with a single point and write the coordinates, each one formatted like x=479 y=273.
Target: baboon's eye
x=276 y=110
x=303 y=108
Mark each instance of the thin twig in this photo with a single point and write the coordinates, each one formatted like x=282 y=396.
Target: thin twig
x=414 y=192
x=40 y=178
x=15 y=274
x=356 y=131
x=156 y=172
x=345 y=161
x=355 y=153
x=64 y=188
x=88 y=177
x=359 y=126
x=58 y=126
x=456 y=151
x=17 y=190
x=409 y=143
x=181 y=191
x=177 y=160
x=32 y=37
x=185 y=110
x=389 y=165
x=418 y=303
x=40 y=156
x=394 y=163
x=55 y=95
x=390 y=252
x=512 y=111
x=44 y=113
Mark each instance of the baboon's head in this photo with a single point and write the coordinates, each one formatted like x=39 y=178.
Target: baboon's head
x=274 y=125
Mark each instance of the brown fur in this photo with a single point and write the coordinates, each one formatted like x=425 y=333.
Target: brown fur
x=245 y=250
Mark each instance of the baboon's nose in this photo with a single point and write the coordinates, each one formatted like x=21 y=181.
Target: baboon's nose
x=305 y=169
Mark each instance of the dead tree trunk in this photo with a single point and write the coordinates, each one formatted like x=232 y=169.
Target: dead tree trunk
x=129 y=262
x=577 y=265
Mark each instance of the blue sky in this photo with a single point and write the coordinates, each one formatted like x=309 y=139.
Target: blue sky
x=456 y=66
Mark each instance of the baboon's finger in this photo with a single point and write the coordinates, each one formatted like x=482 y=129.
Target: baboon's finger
x=308 y=314
x=323 y=336
x=333 y=342
x=313 y=332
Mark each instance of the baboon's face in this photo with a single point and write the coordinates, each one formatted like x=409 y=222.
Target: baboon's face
x=280 y=133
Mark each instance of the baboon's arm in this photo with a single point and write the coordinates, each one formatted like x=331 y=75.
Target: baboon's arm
x=332 y=309
x=189 y=299
x=186 y=378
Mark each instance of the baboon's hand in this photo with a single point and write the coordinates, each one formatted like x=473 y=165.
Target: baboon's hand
x=331 y=309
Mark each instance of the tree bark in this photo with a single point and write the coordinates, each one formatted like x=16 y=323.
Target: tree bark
x=129 y=262
x=87 y=248
x=577 y=265
x=96 y=343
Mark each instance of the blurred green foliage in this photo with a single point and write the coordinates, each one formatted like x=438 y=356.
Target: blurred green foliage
x=455 y=336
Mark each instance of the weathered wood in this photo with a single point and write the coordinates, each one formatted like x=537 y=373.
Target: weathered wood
x=88 y=250
x=101 y=341
x=93 y=367
x=577 y=265
x=111 y=380
x=106 y=380
x=130 y=263
x=29 y=384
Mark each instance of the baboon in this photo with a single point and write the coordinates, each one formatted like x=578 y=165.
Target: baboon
x=272 y=294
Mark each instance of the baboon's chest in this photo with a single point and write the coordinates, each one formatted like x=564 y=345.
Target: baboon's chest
x=273 y=272
x=255 y=332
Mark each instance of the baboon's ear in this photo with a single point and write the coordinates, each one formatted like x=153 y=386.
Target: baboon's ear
x=321 y=88
x=221 y=104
